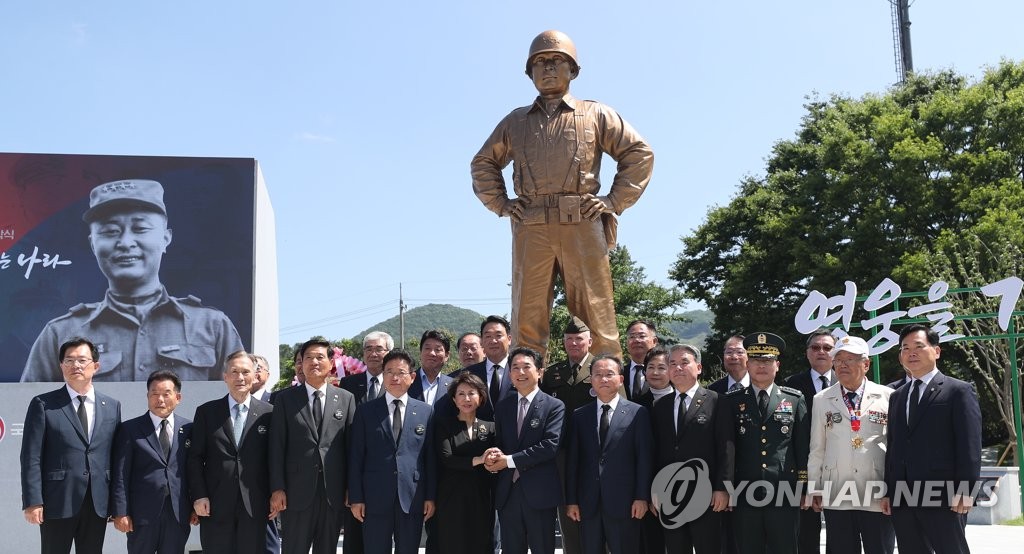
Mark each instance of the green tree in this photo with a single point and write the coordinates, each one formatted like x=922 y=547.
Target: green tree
x=864 y=185
x=635 y=298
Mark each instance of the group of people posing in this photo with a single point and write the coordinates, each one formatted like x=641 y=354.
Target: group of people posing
x=626 y=456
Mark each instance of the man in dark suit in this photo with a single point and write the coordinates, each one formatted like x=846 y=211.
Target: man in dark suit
x=734 y=358
x=227 y=465
x=933 y=444
x=308 y=445
x=470 y=349
x=772 y=437
x=261 y=391
x=429 y=384
x=528 y=429
x=694 y=423
x=67 y=442
x=608 y=471
x=365 y=387
x=148 y=489
x=820 y=377
x=493 y=370
x=392 y=471
x=641 y=336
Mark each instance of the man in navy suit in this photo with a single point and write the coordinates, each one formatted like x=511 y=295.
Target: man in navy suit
x=528 y=429
x=933 y=451
x=429 y=384
x=227 y=465
x=364 y=387
x=694 y=423
x=392 y=469
x=148 y=490
x=494 y=332
x=608 y=472
x=65 y=456
x=308 y=449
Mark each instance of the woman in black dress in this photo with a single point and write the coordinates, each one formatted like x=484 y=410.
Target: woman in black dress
x=465 y=503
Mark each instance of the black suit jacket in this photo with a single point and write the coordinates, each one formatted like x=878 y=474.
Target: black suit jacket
x=707 y=434
x=627 y=383
x=299 y=454
x=445 y=407
x=943 y=443
x=802 y=382
x=356 y=384
x=141 y=476
x=720 y=386
x=221 y=472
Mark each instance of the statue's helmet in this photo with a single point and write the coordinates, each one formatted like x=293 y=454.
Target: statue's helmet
x=552 y=41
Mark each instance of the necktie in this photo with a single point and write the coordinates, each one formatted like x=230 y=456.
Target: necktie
x=605 y=420
x=495 y=386
x=852 y=397
x=681 y=415
x=736 y=386
x=762 y=403
x=824 y=382
x=372 y=393
x=914 y=399
x=239 y=423
x=318 y=411
x=396 y=420
x=523 y=403
x=82 y=416
x=637 y=386
x=165 y=439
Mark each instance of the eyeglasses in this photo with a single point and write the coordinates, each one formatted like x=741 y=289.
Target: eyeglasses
x=819 y=348
x=76 y=362
x=851 y=363
x=637 y=336
x=735 y=352
x=398 y=373
x=374 y=349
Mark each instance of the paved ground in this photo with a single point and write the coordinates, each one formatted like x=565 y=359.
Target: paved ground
x=983 y=539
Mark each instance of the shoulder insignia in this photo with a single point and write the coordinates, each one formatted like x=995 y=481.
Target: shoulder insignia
x=191 y=300
x=791 y=391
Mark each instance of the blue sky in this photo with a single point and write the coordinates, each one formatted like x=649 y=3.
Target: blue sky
x=364 y=116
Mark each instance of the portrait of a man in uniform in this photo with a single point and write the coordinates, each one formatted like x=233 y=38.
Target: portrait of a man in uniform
x=138 y=327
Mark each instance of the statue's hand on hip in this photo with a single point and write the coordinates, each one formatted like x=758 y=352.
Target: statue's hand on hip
x=514 y=208
x=591 y=206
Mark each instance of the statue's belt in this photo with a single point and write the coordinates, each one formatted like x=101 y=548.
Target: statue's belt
x=552 y=208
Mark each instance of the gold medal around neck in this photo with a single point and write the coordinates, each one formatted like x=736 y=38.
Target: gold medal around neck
x=857 y=442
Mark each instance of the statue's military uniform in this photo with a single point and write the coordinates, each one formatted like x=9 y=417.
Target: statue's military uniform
x=556 y=160
x=771 y=448
x=179 y=334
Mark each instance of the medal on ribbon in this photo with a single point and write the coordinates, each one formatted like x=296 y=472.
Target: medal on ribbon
x=857 y=442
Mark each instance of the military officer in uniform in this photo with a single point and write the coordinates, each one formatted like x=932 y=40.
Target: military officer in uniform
x=772 y=440
x=570 y=382
x=559 y=223
x=138 y=327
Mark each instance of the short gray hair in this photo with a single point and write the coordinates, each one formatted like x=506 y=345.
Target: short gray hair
x=389 y=342
x=687 y=347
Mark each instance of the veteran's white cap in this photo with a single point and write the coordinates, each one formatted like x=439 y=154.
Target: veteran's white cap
x=853 y=345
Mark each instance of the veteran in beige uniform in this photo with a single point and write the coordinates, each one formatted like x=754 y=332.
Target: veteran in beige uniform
x=846 y=464
x=560 y=224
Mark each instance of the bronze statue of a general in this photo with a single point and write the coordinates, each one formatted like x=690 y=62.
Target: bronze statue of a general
x=560 y=222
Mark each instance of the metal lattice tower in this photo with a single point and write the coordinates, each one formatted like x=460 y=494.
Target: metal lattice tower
x=901 y=38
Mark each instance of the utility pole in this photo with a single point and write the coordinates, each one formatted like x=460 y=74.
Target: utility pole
x=401 y=316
